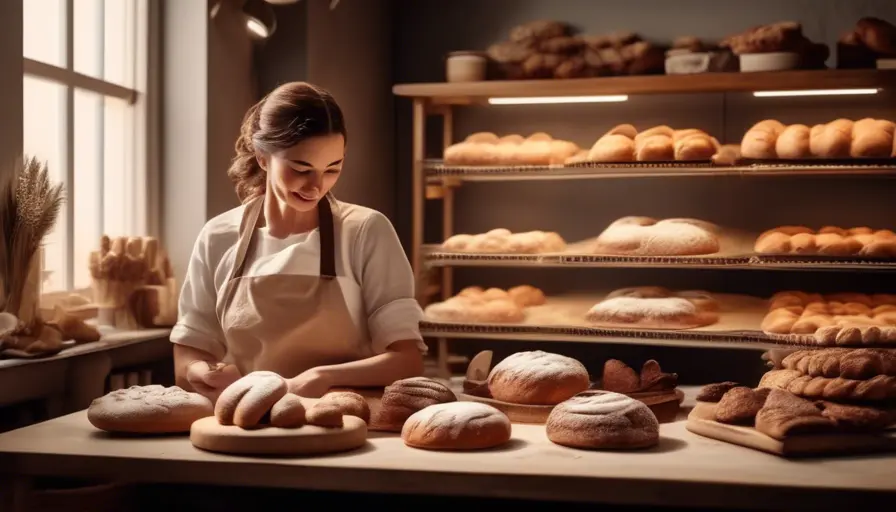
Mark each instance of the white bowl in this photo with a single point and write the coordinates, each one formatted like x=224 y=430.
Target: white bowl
x=776 y=61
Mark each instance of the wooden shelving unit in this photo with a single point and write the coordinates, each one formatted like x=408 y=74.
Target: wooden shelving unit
x=432 y=180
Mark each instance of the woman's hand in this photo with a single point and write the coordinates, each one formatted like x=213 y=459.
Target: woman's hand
x=313 y=383
x=208 y=380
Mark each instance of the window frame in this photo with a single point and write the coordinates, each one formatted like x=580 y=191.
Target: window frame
x=143 y=98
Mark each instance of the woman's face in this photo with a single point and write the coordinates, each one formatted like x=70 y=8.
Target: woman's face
x=303 y=174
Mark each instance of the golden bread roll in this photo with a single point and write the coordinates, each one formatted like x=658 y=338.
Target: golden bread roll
x=613 y=148
x=872 y=138
x=625 y=130
x=696 y=146
x=793 y=142
x=654 y=148
x=760 y=141
x=833 y=140
x=656 y=130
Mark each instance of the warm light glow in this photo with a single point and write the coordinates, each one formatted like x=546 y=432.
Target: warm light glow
x=561 y=99
x=814 y=92
x=257 y=27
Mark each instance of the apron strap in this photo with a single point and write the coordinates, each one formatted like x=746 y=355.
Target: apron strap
x=327 y=238
x=247 y=228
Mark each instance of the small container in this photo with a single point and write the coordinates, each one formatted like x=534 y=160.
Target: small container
x=886 y=63
x=774 y=61
x=466 y=67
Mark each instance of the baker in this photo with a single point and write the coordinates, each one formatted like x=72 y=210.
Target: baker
x=294 y=281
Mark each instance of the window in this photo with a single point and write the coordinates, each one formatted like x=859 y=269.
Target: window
x=85 y=115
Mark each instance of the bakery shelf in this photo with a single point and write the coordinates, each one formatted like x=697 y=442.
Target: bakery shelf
x=433 y=256
x=474 y=92
x=694 y=339
x=437 y=171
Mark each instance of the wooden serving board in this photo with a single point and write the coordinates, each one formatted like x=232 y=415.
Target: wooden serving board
x=207 y=434
x=517 y=413
x=699 y=422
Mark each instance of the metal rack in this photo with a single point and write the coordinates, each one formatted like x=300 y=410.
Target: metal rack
x=433 y=180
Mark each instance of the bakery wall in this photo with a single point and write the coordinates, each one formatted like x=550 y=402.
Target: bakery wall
x=10 y=85
x=425 y=31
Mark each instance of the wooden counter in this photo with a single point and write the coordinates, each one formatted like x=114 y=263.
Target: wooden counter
x=685 y=470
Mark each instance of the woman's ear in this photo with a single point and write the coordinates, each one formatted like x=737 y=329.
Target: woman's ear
x=262 y=160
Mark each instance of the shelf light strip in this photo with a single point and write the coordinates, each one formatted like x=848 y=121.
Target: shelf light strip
x=814 y=92
x=561 y=99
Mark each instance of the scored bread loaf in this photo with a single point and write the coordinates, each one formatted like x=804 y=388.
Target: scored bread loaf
x=404 y=397
x=602 y=420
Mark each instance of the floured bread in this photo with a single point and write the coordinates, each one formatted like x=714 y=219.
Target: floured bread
x=847 y=319
x=654 y=308
x=348 y=403
x=644 y=236
x=602 y=420
x=537 y=378
x=288 y=412
x=150 y=409
x=457 y=426
x=245 y=402
x=828 y=241
x=486 y=148
x=505 y=242
x=404 y=397
x=475 y=305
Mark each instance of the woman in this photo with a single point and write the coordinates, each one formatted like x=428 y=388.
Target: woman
x=294 y=281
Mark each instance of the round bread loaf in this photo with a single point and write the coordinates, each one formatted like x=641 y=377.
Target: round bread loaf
x=324 y=414
x=288 y=412
x=456 y=426
x=537 y=378
x=602 y=420
x=351 y=404
x=148 y=410
x=405 y=397
x=245 y=402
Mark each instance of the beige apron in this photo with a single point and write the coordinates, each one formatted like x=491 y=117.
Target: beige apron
x=287 y=323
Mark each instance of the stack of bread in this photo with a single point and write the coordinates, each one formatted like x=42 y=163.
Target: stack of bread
x=784 y=36
x=623 y=143
x=475 y=305
x=871 y=39
x=645 y=236
x=580 y=418
x=549 y=49
x=828 y=241
x=791 y=403
x=842 y=319
x=841 y=138
x=654 y=307
x=503 y=241
x=486 y=148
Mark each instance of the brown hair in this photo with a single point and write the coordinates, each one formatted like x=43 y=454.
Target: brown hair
x=289 y=114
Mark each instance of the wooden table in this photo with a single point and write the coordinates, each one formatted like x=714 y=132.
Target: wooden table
x=685 y=470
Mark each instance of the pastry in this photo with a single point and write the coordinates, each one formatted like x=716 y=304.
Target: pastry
x=670 y=310
x=839 y=319
x=503 y=241
x=150 y=409
x=537 y=378
x=618 y=377
x=739 y=405
x=602 y=420
x=714 y=392
x=856 y=417
x=349 y=403
x=644 y=236
x=879 y=388
x=245 y=402
x=288 y=412
x=858 y=364
x=456 y=426
x=405 y=397
x=785 y=414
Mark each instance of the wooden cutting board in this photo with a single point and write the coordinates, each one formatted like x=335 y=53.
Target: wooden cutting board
x=208 y=434
x=700 y=422
x=517 y=413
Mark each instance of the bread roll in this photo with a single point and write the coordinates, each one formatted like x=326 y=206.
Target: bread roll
x=613 y=148
x=678 y=135
x=872 y=138
x=404 y=397
x=793 y=142
x=349 y=403
x=760 y=141
x=324 y=414
x=537 y=378
x=697 y=146
x=602 y=420
x=245 y=402
x=456 y=426
x=833 y=140
x=654 y=148
x=288 y=412
x=150 y=409
x=482 y=138
x=656 y=130
x=625 y=130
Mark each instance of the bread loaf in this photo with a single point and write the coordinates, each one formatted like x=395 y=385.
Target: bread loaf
x=503 y=241
x=881 y=388
x=646 y=236
x=152 y=409
x=457 y=426
x=828 y=241
x=670 y=310
x=404 y=397
x=761 y=140
x=486 y=148
x=602 y=420
x=245 y=402
x=537 y=378
x=858 y=364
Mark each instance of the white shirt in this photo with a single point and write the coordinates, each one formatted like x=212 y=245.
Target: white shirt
x=372 y=270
